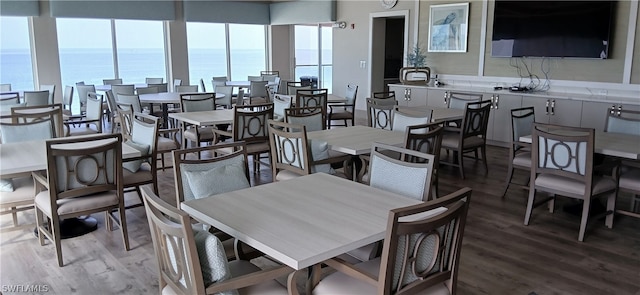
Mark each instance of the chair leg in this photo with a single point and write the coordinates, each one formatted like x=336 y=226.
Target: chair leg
x=162 y=160
x=611 y=208
x=39 y=223
x=460 y=163
x=55 y=233
x=532 y=197
x=484 y=159
x=123 y=227
x=585 y=217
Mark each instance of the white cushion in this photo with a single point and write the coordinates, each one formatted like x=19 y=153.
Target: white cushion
x=134 y=165
x=77 y=204
x=6 y=185
x=213 y=259
x=320 y=151
x=22 y=191
x=217 y=180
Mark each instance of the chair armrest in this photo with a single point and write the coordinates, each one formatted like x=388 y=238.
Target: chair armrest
x=249 y=279
x=218 y=133
x=40 y=181
x=172 y=132
x=342 y=105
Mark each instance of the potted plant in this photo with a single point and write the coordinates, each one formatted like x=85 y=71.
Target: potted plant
x=415 y=73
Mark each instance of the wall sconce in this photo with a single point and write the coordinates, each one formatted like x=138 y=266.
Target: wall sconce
x=340 y=25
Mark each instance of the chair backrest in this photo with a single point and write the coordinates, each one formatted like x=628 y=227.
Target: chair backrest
x=94 y=110
x=20 y=131
x=290 y=148
x=52 y=113
x=174 y=245
x=233 y=163
x=202 y=88
x=10 y=98
x=563 y=151
x=293 y=87
x=240 y=98
x=254 y=78
x=522 y=120
x=283 y=87
x=146 y=90
x=420 y=252
x=70 y=160
x=476 y=120
x=257 y=89
x=384 y=95
x=250 y=123
x=111 y=81
x=276 y=73
x=311 y=117
x=125 y=112
x=623 y=121
x=225 y=101
x=111 y=102
x=218 y=81
x=176 y=83
x=312 y=99
x=403 y=119
x=380 y=112
x=281 y=102
x=52 y=90
x=271 y=78
x=162 y=87
x=133 y=100
x=5 y=87
x=410 y=179
x=82 y=93
x=459 y=100
x=154 y=80
x=144 y=131
x=36 y=98
x=187 y=88
x=195 y=102
x=67 y=97
x=128 y=89
x=351 y=94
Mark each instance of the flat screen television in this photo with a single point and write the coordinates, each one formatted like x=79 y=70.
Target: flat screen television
x=573 y=29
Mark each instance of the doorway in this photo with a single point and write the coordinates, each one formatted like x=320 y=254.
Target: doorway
x=388 y=43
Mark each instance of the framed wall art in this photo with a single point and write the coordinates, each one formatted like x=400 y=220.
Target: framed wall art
x=448 y=27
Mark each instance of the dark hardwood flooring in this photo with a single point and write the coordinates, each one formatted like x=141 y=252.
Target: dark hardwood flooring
x=499 y=256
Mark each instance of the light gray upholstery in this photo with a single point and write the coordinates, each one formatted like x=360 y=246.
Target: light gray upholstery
x=26 y=132
x=184 y=168
x=401 y=179
x=623 y=125
x=217 y=180
x=401 y=121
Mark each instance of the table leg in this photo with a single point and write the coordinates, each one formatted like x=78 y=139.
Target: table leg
x=165 y=115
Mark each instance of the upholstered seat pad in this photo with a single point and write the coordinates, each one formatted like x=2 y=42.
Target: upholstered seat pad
x=630 y=179
x=78 y=204
x=522 y=160
x=340 y=283
x=206 y=133
x=558 y=183
x=258 y=147
x=142 y=175
x=22 y=191
x=450 y=140
x=166 y=144
x=338 y=114
x=242 y=267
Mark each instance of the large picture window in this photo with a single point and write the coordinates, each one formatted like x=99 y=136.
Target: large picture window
x=314 y=53
x=15 y=53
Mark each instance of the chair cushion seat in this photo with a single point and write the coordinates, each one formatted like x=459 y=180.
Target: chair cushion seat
x=340 y=283
x=522 y=160
x=572 y=186
x=630 y=179
x=143 y=175
x=22 y=191
x=166 y=144
x=258 y=147
x=78 y=204
x=341 y=114
x=206 y=134
x=270 y=287
x=450 y=140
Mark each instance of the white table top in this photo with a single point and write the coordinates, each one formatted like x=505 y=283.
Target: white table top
x=28 y=156
x=438 y=115
x=205 y=118
x=108 y=87
x=302 y=221
x=244 y=84
x=166 y=97
x=611 y=144
x=356 y=140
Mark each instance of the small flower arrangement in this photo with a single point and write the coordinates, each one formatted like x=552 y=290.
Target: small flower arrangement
x=416 y=57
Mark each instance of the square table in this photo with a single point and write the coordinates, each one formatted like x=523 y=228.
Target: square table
x=302 y=221
x=356 y=140
x=205 y=118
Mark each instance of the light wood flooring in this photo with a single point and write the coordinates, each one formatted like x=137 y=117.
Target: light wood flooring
x=499 y=256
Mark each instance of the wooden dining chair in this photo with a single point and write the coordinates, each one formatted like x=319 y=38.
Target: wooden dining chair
x=562 y=164
x=522 y=120
x=384 y=95
x=84 y=176
x=153 y=81
x=310 y=117
x=195 y=102
x=53 y=112
x=194 y=261
x=426 y=138
x=380 y=112
x=627 y=172
x=403 y=118
x=142 y=170
x=91 y=122
x=82 y=90
x=344 y=111
x=10 y=99
x=421 y=254
x=67 y=100
x=36 y=98
x=281 y=102
x=52 y=91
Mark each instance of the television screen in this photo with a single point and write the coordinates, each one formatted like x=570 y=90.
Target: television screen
x=577 y=29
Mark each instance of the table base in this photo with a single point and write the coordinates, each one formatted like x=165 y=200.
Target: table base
x=75 y=227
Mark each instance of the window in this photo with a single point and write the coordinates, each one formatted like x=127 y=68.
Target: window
x=207 y=48
x=313 y=53
x=207 y=51
x=140 y=47
x=15 y=53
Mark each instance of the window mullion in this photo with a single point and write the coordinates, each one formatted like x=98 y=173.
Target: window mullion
x=228 y=46
x=114 y=49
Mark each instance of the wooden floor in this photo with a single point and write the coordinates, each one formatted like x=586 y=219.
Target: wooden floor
x=499 y=256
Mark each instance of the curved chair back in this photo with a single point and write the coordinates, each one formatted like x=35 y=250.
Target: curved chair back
x=195 y=102
x=128 y=89
x=187 y=88
x=623 y=121
x=225 y=101
x=281 y=102
x=112 y=81
x=82 y=94
x=384 y=95
x=36 y=98
x=53 y=113
x=52 y=91
x=310 y=117
x=154 y=80
x=459 y=100
x=290 y=150
x=380 y=112
x=402 y=119
x=250 y=123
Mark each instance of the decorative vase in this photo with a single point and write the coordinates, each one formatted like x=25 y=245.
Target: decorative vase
x=415 y=75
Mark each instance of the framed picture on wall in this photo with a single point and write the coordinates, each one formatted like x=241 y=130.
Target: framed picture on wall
x=448 y=27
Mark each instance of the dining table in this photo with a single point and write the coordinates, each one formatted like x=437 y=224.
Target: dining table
x=165 y=99
x=21 y=158
x=303 y=221
x=205 y=118
x=107 y=87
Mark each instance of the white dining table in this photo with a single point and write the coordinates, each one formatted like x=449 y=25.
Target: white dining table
x=356 y=140
x=302 y=221
x=166 y=98
x=245 y=84
x=205 y=118
x=437 y=114
x=108 y=87
x=611 y=144
x=29 y=156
